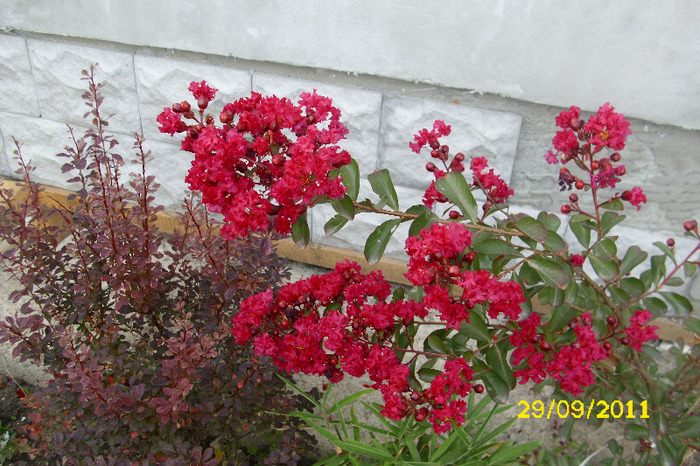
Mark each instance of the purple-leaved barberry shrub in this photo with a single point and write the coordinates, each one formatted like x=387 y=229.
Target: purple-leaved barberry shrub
x=133 y=324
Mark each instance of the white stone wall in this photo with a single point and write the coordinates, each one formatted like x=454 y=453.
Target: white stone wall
x=641 y=54
x=40 y=89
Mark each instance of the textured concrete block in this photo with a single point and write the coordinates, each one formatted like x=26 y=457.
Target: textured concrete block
x=5 y=150
x=475 y=132
x=355 y=232
x=169 y=165
x=360 y=112
x=57 y=74
x=40 y=140
x=163 y=81
x=17 y=93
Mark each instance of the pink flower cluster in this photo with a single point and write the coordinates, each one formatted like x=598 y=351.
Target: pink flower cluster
x=583 y=141
x=639 y=332
x=495 y=188
x=571 y=364
x=269 y=160
x=493 y=185
x=342 y=323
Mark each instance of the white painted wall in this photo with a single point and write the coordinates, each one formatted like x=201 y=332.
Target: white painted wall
x=642 y=55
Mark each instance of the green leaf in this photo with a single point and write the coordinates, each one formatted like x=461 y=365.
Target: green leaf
x=607 y=270
x=427 y=374
x=382 y=185
x=692 y=324
x=495 y=247
x=455 y=187
x=300 y=231
x=344 y=207
x=604 y=249
x=551 y=221
x=348 y=400
x=581 y=226
x=476 y=328
x=424 y=221
x=666 y=250
x=636 y=431
x=532 y=228
x=378 y=239
x=551 y=272
x=335 y=224
x=495 y=386
x=656 y=306
x=561 y=316
x=689 y=269
x=633 y=286
x=555 y=243
x=351 y=178
x=497 y=359
x=679 y=302
x=507 y=453
x=614 y=204
x=619 y=295
x=658 y=268
x=435 y=343
x=633 y=257
x=609 y=220
x=362 y=448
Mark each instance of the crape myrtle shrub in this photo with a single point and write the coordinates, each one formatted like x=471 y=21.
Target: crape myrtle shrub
x=134 y=326
x=475 y=274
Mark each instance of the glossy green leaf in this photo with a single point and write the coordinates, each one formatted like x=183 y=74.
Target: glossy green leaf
x=496 y=387
x=300 y=231
x=581 y=226
x=619 y=295
x=435 y=343
x=571 y=294
x=606 y=270
x=658 y=268
x=655 y=305
x=335 y=224
x=551 y=271
x=476 y=328
x=455 y=187
x=497 y=359
x=423 y=221
x=496 y=247
x=427 y=374
x=615 y=204
x=666 y=250
x=561 y=316
x=532 y=228
x=378 y=239
x=555 y=243
x=679 y=302
x=604 y=249
x=633 y=286
x=351 y=178
x=382 y=185
x=609 y=220
x=633 y=257
x=344 y=207
x=551 y=221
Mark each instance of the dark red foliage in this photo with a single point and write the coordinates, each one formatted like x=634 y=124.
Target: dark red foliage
x=133 y=324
